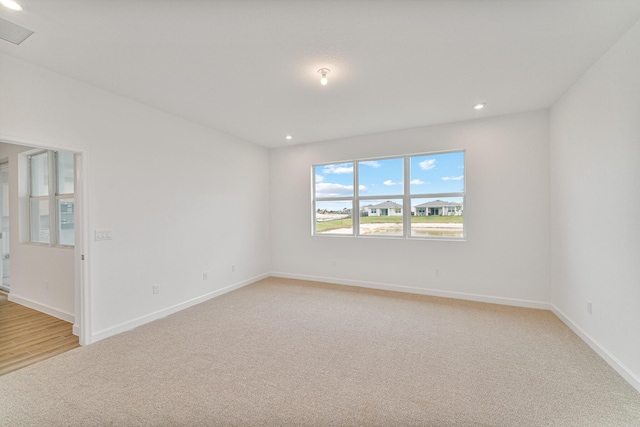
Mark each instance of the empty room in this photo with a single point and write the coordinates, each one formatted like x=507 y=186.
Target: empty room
x=309 y=213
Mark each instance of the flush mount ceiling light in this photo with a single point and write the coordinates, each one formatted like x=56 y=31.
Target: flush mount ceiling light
x=10 y=4
x=323 y=72
x=479 y=106
x=289 y=137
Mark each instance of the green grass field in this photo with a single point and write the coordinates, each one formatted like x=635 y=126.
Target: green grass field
x=348 y=222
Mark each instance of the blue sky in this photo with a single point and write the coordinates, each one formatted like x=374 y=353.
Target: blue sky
x=432 y=173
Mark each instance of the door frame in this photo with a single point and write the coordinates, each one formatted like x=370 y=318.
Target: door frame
x=82 y=289
x=4 y=162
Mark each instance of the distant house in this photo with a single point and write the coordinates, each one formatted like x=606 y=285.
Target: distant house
x=438 y=208
x=387 y=208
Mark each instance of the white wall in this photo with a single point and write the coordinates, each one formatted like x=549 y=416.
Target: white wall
x=595 y=203
x=179 y=198
x=505 y=257
x=41 y=277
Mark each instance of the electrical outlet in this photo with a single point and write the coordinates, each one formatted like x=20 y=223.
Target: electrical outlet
x=437 y=273
x=589 y=307
x=233 y=268
x=156 y=289
x=205 y=276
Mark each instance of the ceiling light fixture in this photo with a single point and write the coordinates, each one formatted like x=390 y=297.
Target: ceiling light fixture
x=289 y=137
x=479 y=106
x=323 y=72
x=10 y=4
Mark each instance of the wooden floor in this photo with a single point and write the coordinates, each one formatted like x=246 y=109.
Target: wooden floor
x=28 y=336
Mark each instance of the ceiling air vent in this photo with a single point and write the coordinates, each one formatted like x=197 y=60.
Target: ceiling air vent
x=12 y=32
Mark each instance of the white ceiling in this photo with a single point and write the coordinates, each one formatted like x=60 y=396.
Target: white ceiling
x=249 y=68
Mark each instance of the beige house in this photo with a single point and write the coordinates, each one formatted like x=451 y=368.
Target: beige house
x=387 y=208
x=438 y=208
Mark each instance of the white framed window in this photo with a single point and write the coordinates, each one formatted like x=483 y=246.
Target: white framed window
x=51 y=198
x=410 y=196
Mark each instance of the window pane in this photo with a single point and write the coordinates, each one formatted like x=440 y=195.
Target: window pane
x=39 y=175
x=437 y=217
x=334 y=180
x=381 y=217
x=381 y=177
x=65 y=172
x=437 y=173
x=66 y=208
x=40 y=221
x=334 y=217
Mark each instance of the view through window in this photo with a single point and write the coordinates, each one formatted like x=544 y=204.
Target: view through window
x=418 y=195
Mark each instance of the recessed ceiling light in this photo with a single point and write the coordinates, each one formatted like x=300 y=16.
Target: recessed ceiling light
x=10 y=4
x=479 y=106
x=289 y=137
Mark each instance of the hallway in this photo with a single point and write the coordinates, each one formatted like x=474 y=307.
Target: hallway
x=28 y=336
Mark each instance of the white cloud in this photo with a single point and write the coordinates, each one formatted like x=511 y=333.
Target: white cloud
x=417 y=181
x=427 y=164
x=389 y=182
x=452 y=178
x=319 y=178
x=371 y=163
x=338 y=169
x=327 y=189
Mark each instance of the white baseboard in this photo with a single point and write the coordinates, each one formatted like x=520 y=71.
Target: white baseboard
x=613 y=361
x=625 y=372
x=126 y=326
x=420 y=291
x=67 y=317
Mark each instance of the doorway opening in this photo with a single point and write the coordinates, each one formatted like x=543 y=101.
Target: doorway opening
x=44 y=276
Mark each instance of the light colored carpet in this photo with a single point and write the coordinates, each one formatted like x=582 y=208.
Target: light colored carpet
x=291 y=353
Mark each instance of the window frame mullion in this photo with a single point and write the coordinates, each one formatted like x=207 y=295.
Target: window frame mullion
x=406 y=199
x=355 y=209
x=53 y=192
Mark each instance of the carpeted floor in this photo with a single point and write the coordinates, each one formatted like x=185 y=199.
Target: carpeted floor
x=291 y=353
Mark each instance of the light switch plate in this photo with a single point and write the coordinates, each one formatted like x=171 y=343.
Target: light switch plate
x=104 y=235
